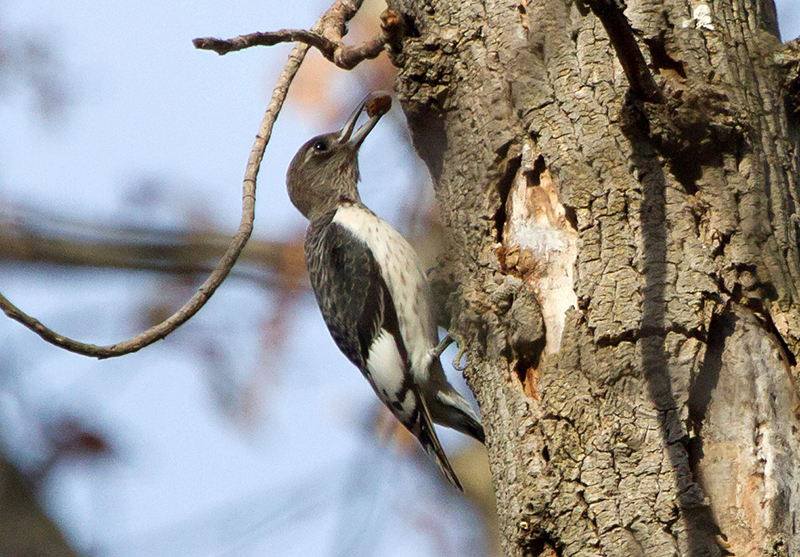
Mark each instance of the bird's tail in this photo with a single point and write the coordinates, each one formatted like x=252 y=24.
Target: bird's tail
x=453 y=410
x=424 y=432
x=450 y=409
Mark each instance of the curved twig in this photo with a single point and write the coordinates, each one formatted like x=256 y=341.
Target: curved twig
x=331 y=22
x=328 y=43
x=225 y=264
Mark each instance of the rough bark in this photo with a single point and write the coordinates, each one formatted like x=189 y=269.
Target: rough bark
x=663 y=421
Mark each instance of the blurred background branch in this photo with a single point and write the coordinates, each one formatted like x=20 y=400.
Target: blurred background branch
x=24 y=529
x=34 y=236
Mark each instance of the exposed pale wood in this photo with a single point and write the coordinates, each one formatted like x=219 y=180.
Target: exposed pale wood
x=666 y=424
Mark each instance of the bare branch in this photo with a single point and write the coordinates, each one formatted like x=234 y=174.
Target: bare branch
x=38 y=237
x=333 y=21
x=620 y=33
x=224 y=46
x=328 y=41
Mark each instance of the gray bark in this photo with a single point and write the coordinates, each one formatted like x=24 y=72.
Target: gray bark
x=624 y=274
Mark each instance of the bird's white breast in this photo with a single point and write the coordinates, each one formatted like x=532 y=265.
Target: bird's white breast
x=403 y=273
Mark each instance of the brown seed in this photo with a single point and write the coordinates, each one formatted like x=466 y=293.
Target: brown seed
x=380 y=105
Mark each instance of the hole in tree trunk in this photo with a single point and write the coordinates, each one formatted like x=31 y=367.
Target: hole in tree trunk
x=503 y=188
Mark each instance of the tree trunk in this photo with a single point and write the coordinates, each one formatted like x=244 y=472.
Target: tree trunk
x=624 y=274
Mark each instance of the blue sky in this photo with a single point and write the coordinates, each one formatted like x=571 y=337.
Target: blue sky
x=188 y=479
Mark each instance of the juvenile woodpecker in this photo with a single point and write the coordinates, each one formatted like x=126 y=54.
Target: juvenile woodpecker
x=371 y=288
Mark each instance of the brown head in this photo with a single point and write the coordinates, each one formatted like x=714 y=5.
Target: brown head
x=325 y=169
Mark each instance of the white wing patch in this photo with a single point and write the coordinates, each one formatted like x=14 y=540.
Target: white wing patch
x=403 y=273
x=387 y=370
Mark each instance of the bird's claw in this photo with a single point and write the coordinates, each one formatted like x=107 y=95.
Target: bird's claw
x=461 y=354
x=449 y=339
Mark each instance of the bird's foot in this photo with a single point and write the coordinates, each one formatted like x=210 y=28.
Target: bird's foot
x=460 y=355
x=442 y=346
x=449 y=339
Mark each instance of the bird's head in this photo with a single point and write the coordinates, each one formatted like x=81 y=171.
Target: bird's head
x=325 y=169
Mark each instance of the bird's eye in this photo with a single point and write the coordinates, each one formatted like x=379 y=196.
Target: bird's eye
x=320 y=146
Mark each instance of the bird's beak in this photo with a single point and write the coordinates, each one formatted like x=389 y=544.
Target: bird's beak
x=376 y=105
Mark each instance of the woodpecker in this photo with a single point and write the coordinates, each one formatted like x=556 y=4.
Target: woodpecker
x=371 y=287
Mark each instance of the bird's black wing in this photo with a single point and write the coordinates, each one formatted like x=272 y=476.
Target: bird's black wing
x=350 y=290
x=357 y=307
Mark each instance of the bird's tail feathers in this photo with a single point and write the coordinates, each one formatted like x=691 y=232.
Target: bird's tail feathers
x=452 y=410
x=424 y=432
x=456 y=414
x=448 y=407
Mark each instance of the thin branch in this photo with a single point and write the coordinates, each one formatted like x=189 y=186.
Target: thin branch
x=620 y=33
x=224 y=46
x=333 y=21
x=329 y=44
x=37 y=237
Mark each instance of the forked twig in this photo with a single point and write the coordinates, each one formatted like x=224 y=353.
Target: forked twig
x=329 y=42
x=331 y=23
